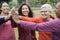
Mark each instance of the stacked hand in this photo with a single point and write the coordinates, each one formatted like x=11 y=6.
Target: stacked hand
x=15 y=15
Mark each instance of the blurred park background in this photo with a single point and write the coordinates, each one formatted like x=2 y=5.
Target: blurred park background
x=35 y=6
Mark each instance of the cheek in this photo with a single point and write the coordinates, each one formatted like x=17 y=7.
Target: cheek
x=22 y=11
x=28 y=10
x=2 y=8
x=57 y=11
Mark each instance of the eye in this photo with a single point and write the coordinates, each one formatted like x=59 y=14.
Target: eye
x=4 y=6
x=25 y=8
x=44 y=11
x=22 y=8
x=7 y=6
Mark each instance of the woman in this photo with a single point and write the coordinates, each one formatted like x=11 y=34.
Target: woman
x=25 y=34
x=6 y=30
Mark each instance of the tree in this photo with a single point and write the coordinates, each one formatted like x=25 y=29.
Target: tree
x=28 y=2
x=5 y=1
x=20 y=1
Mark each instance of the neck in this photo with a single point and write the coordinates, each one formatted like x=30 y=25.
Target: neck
x=4 y=14
x=46 y=19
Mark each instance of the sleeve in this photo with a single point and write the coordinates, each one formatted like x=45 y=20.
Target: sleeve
x=52 y=26
x=2 y=20
x=28 y=19
x=14 y=25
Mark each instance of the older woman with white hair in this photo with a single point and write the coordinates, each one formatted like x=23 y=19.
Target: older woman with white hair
x=46 y=11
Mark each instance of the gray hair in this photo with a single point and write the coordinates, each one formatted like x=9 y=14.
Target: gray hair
x=47 y=7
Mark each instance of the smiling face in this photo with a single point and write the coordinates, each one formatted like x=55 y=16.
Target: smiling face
x=57 y=10
x=44 y=13
x=5 y=8
x=25 y=10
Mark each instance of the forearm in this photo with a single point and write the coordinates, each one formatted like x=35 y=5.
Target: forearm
x=53 y=26
x=4 y=19
x=27 y=19
x=26 y=24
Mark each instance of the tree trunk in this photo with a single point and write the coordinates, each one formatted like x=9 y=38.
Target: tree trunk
x=28 y=2
x=48 y=1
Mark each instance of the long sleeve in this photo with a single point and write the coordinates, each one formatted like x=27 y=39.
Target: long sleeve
x=28 y=19
x=2 y=20
x=36 y=20
x=52 y=26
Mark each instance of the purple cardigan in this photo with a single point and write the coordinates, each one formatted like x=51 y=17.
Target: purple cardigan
x=52 y=26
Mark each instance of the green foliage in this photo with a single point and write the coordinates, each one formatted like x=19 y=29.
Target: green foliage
x=13 y=4
x=35 y=2
x=5 y=1
x=20 y=1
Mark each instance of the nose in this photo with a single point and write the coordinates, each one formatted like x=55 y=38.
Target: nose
x=25 y=9
x=7 y=8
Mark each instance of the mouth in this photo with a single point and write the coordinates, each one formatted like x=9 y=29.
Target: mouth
x=6 y=8
x=25 y=12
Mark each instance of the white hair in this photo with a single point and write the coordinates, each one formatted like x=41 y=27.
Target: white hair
x=47 y=7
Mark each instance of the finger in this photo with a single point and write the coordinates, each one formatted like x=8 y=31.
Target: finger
x=13 y=10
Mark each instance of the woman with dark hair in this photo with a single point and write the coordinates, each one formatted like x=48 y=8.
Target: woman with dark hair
x=6 y=30
x=30 y=14
x=25 y=34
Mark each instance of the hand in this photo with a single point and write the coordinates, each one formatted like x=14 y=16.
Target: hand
x=16 y=18
x=15 y=15
x=13 y=11
x=7 y=17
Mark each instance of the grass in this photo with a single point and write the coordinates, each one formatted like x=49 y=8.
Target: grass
x=16 y=33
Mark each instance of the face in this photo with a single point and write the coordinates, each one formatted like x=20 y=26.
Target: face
x=57 y=10
x=5 y=8
x=25 y=10
x=44 y=13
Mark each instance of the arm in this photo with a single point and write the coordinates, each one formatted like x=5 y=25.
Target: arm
x=52 y=26
x=27 y=19
x=36 y=20
x=4 y=19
